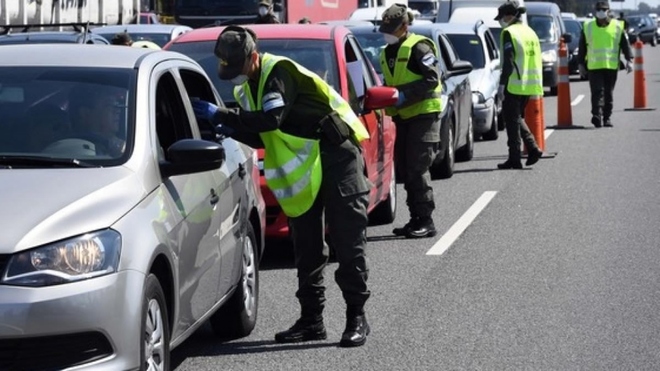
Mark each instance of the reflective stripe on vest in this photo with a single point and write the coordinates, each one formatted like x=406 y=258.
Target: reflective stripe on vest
x=402 y=75
x=527 y=77
x=603 y=44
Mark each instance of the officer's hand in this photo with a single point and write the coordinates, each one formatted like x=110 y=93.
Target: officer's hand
x=401 y=99
x=223 y=130
x=582 y=69
x=203 y=109
x=629 y=66
x=500 y=93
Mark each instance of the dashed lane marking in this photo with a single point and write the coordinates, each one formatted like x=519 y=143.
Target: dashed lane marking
x=461 y=224
x=577 y=100
x=547 y=132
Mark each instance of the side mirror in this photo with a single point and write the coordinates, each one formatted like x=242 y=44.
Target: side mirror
x=188 y=156
x=567 y=37
x=378 y=97
x=459 y=67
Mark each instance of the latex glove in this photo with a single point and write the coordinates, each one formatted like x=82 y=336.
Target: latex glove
x=629 y=66
x=400 y=100
x=223 y=130
x=582 y=69
x=500 y=93
x=203 y=109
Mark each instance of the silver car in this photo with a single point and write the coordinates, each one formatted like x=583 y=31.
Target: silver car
x=160 y=34
x=126 y=223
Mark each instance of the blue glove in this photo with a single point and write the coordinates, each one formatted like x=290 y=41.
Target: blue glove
x=401 y=99
x=223 y=130
x=203 y=109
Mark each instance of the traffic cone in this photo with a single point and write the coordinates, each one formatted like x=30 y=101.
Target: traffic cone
x=639 y=100
x=535 y=121
x=564 y=110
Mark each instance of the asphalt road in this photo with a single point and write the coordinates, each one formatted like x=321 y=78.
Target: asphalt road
x=556 y=267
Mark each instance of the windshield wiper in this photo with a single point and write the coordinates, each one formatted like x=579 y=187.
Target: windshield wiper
x=11 y=161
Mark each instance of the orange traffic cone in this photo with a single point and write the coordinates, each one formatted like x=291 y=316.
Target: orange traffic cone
x=639 y=99
x=534 y=117
x=564 y=110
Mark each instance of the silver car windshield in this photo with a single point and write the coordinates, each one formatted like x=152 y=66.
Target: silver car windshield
x=62 y=116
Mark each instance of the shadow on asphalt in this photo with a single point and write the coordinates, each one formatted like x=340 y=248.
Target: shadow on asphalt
x=474 y=171
x=205 y=344
x=386 y=237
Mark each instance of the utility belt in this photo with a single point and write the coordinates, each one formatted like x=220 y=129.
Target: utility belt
x=333 y=130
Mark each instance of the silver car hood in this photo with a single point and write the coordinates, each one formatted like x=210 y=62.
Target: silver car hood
x=478 y=79
x=39 y=206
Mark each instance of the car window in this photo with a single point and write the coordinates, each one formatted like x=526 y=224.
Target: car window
x=372 y=43
x=171 y=120
x=573 y=28
x=469 y=48
x=447 y=51
x=544 y=27
x=491 y=45
x=198 y=87
x=355 y=77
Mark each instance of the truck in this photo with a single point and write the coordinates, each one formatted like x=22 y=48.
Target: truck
x=45 y=12
x=202 y=13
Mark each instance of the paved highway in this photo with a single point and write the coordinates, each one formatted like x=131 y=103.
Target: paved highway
x=553 y=267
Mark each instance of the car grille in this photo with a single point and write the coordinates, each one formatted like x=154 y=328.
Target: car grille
x=4 y=259
x=53 y=352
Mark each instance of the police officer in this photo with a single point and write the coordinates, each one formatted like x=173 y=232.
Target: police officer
x=409 y=63
x=266 y=14
x=314 y=166
x=522 y=77
x=601 y=42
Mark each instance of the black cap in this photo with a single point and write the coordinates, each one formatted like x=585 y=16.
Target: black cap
x=511 y=7
x=602 y=5
x=233 y=47
x=393 y=17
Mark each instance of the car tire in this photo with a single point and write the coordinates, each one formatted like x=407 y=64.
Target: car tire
x=493 y=133
x=238 y=316
x=444 y=168
x=466 y=152
x=385 y=211
x=155 y=329
x=654 y=41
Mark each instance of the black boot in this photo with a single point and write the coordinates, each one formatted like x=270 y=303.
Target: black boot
x=533 y=157
x=403 y=231
x=595 y=120
x=422 y=228
x=356 y=331
x=607 y=123
x=510 y=164
x=305 y=329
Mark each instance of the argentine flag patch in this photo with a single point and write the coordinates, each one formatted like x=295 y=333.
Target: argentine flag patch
x=429 y=60
x=271 y=101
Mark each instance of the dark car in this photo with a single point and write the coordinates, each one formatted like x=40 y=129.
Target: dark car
x=642 y=27
x=456 y=127
x=22 y=34
x=573 y=27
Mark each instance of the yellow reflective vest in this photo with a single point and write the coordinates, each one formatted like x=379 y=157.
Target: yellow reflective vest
x=402 y=75
x=527 y=77
x=603 y=44
x=292 y=165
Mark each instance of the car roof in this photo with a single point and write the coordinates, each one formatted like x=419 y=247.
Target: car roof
x=466 y=15
x=64 y=36
x=460 y=27
x=75 y=55
x=141 y=28
x=271 y=31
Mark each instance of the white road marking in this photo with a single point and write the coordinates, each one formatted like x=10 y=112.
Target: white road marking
x=547 y=132
x=461 y=224
x=577 y=100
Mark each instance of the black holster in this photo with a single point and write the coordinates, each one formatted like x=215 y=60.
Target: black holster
x=334 y=129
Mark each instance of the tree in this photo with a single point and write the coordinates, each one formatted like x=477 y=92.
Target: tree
x=644 y=8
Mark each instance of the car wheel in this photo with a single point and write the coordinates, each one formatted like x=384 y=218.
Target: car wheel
x=155 y=342
x=444 y=169
x=493 y=133
x=654 y=41
x=385 y=211
x=466 y=152
x=238 y=316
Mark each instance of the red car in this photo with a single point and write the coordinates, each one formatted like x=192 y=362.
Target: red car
x=331 y=52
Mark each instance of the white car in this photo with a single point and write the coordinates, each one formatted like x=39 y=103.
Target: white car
x=160 y=34
x=127 y=224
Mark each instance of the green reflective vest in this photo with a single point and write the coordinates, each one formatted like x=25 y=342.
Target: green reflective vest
x=292 y=165
x=402 y=75
x=603 y=44
x=527 y=77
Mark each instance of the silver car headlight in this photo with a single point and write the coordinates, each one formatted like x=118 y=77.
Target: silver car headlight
x=549 y=56
x=478 y=98
x=79 y=258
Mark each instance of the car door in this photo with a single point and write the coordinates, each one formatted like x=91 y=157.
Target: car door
x=194 y=242
x=493 y=65
x=462 y=93
x=360 y=79
x=228 y=180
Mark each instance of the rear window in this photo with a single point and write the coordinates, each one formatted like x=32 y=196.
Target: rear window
x=469 y=48
x=158 y=38
x=316 y=55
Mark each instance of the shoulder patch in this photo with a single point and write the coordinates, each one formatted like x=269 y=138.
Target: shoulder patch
x=271 y=101
x=429 y=60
